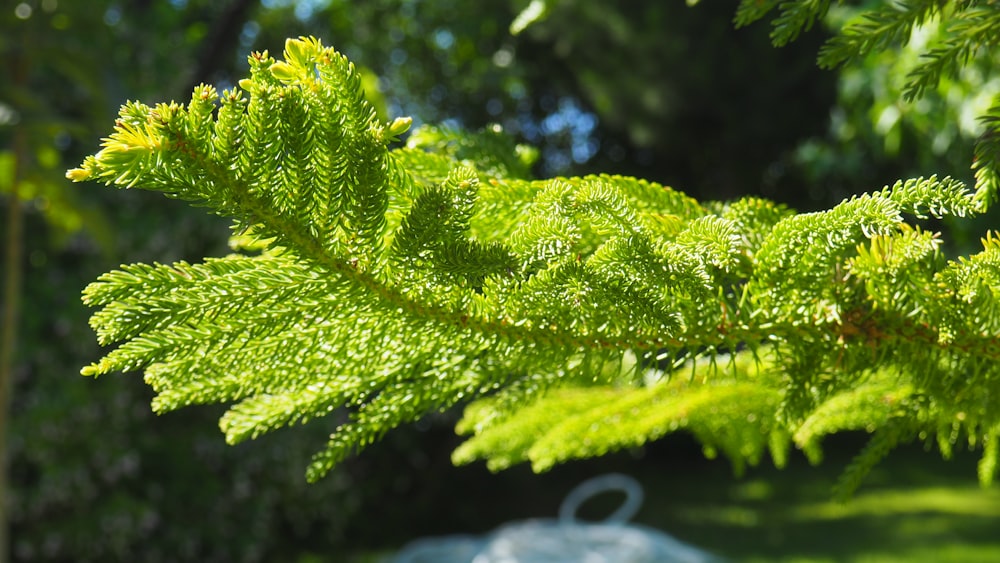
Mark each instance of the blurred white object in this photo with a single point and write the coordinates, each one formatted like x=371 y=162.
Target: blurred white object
x=566 y=540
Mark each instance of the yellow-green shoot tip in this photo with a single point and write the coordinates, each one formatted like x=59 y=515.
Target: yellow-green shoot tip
x=78 y=174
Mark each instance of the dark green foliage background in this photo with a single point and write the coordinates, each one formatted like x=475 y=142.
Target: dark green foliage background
x=713 y=111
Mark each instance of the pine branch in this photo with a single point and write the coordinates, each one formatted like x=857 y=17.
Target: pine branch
x=887 y=26
x=881 y=443
x=750 y=11
x=987 y=158
x=967 y=32
x=971 y=28
x=991 y=451
x=575 y=315
x=715 y=403
x=794 y=16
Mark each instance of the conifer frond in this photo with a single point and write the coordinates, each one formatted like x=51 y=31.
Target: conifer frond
x=896 y=270
x=882 y=442
x=879 y=28
x=968 y=29
x=794 y=18
x=754 y=218
x=991 y=453
x=493 y=152
x=575 y=315
x=943 y=197
x=797 y=273
x=987 y=158
x=722 y=402
x=866 y=407
x=750 y=11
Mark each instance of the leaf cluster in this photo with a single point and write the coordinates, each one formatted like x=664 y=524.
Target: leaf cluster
x=573 y=316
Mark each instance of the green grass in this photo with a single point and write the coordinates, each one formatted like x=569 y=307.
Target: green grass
x=914 y=507
x=934 y=523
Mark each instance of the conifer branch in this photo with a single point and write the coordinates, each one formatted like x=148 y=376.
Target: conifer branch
x=572 y=316
x=970 y=29
x=966 y=33
x=987 y=158
x=887 y=26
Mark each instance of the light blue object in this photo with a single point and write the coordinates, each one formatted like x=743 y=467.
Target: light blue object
x=566 y=540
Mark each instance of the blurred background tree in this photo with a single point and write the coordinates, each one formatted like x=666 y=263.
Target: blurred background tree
x=647 y=88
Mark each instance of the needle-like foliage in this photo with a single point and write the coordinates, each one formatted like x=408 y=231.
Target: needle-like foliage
x=573 y=316
x=970 y=28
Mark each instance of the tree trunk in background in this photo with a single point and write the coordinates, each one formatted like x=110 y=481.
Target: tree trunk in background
x=12 y=272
